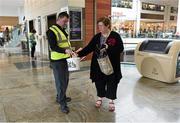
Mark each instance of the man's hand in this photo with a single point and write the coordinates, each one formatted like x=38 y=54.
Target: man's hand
x=68 y=51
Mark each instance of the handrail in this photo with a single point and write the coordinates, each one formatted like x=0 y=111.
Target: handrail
x=129 y=43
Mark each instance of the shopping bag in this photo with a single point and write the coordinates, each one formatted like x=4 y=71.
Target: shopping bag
x=105 y=65
x=73 y=63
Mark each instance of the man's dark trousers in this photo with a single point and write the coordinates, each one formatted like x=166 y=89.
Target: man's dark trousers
x=61 y=75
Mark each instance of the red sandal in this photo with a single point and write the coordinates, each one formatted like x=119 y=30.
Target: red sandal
x=98 y=103
x=111 y=107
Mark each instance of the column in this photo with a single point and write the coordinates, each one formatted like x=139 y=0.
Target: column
x=138 y=17
x=93 y=10
x=103 y=8
x=89 y=22
x=166 y=17
x=178 y=20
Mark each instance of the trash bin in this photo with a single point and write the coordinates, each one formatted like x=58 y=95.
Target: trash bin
x=159 y=59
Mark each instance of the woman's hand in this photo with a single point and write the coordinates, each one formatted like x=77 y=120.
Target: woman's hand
x=82 y=58
x=78 y=50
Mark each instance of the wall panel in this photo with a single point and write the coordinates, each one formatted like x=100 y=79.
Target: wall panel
x=12 y=21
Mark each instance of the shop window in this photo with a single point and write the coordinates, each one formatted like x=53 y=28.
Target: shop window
x=125 y=28
x=122 y=3
x=172 y=17
x=174 y=10
x=151 y=29
x=153 y=7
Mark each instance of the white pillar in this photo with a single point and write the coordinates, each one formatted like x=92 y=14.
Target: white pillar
x=138 y=17
x=21 y=14
x=166 y=17
x=178 y=19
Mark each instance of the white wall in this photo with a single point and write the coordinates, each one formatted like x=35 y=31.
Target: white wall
x=76 y=3
x=34 y=8
x=43 y=8
x=20 y=14
x=15 y=11
x=8 y=11
x=178 y=19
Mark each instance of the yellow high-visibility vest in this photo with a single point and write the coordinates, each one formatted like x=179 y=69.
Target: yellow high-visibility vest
x=62 y=42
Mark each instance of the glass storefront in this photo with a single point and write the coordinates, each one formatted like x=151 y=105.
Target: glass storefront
x=172 y=27
x=152 y=24
x=153 y=7
x=151 y=29
x=125 y=28
x=122 y=3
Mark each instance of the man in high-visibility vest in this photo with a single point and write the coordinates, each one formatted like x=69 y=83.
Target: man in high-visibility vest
x=60 y=50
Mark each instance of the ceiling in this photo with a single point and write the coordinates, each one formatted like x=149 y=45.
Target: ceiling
x=21 y=2
x=12 y=2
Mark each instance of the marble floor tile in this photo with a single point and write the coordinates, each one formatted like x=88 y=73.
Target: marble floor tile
x=2 y=113
x=27 y=94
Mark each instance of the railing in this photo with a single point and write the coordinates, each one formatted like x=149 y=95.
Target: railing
x=167 y=35
x=14 y=44
x=128 y=54
x=130 y=45
x=15 y=40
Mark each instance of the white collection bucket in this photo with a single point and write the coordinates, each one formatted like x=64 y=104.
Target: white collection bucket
x=73 y=63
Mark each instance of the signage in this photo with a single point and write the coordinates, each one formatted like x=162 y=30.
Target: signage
x=75 y=25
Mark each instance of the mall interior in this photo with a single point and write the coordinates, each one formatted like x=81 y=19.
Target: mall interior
x=150 y=63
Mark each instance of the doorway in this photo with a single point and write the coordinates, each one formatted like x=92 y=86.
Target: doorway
x=51 y=19
x=31 y=25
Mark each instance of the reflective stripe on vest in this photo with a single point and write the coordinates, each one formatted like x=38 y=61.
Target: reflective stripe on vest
x=62 y=43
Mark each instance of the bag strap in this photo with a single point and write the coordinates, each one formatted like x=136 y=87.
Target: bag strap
x=106 y=39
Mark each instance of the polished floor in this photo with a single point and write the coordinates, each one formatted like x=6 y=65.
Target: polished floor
x=27 y=93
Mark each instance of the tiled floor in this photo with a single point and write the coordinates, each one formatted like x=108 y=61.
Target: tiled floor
x=27 y=93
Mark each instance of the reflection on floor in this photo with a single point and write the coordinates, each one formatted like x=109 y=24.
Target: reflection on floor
x=27 y=93
x=31 y=64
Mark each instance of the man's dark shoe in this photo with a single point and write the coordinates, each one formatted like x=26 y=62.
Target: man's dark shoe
x=68 y=99
x=65 y=109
